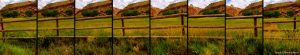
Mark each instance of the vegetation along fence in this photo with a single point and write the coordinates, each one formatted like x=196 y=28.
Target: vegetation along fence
x=294 y=30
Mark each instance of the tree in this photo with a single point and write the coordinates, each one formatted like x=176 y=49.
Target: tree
x=29 y=13
x=50 y=13
x=90 y=13
x=290 y=13
x=227 y=15
x=69 y=12
x=108 y=12
x=211 y=12
x=130 y=13
x=169 y=12
x=247 y=13
x=276 y=14
x=12 y=14
x=272 y=14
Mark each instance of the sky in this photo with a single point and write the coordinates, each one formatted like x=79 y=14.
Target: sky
x=121 y=4
x=3 y=3
x=201 y=3
x=79 y=4
x=240 y=3
x=162 y=4
x=267 y=2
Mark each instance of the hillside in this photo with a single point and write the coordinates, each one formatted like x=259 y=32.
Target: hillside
x=253 y=7
x=61 y=7
x=101 y=7
x=20 y=7
x=215 y=6
x=181 y=7
x=284 y=7
x=232 y=11
x=140 y=7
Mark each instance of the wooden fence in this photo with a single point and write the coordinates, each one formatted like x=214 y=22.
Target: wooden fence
x=56 y=19
x=181 y=15
x=294 y=30
x=254 y=17
x=124 y=28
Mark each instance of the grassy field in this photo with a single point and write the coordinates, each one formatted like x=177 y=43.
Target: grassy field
x=99 y=43
x=281 y=26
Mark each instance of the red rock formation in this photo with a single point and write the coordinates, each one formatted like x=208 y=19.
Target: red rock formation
x=155 y=11
x=194 y=10
x=284 y=7
x=181 y=7
x=116 y=11
x=21 y=7
x=257 y=6
x=101 y=7
x=61 y=7
x=141 y=7
x=220 y=6
x=232 y=11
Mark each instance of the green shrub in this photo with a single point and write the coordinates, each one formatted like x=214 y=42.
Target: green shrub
x=290 y=13
x=12 y=14
x=169 y=12
x=69 y=12
x=108 y=12
x=29 y=13
x=276 y=14
x=268 y=14
x=227 y=15
x=90 y=13
x=248 y=13
x=211 y=12
x=256 y=12
x=148 y=12
x=272 y=14
x=130 y=13
x=50 y=13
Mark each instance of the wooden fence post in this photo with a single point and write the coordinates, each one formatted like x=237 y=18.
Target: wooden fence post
x=2 y=29
x=182 y=23
x=295 y=25
x=255 y=27
x=57 y=27
x=123 y=29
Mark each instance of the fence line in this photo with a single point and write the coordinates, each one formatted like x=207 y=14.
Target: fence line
x=169 y=37
x=181 y=15
x=152 y=18
x=294 y=30
x=254 y=17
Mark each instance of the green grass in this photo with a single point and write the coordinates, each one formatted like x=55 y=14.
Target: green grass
x=141 y=22
x=12 y=47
